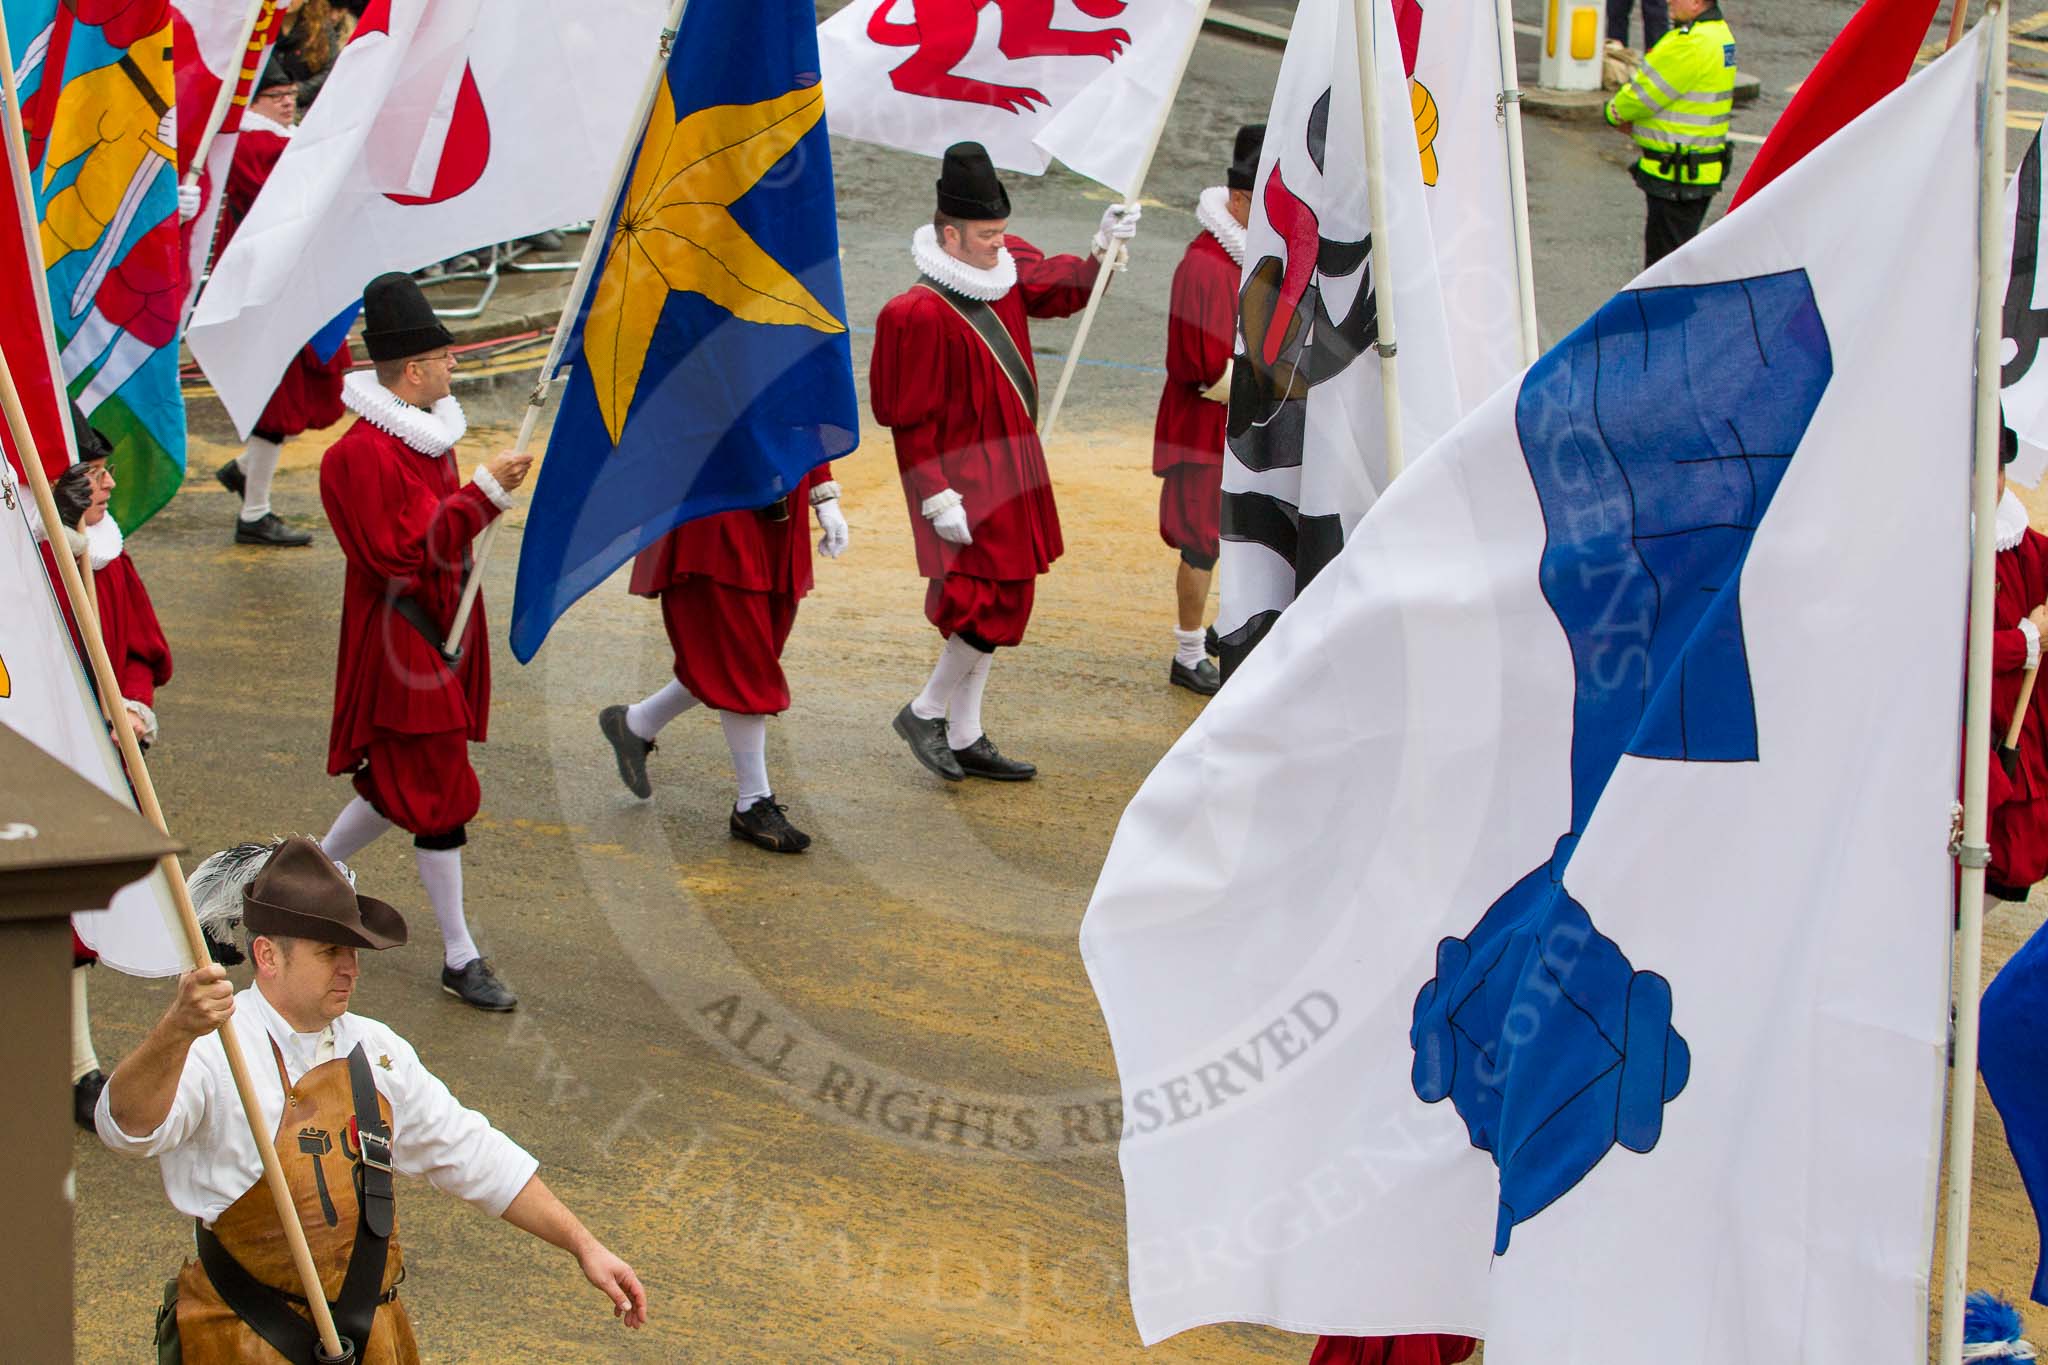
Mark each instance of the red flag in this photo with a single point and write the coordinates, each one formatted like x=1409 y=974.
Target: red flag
x=1871 y=58
x=24 y=335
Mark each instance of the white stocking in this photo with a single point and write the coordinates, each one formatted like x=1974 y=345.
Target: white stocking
x=355 y=829
x=747 y=738
x=441 y=874
x=84 y=1061
x=646 y=718
x=956 y=661
x=259 y=462
x=963 y=721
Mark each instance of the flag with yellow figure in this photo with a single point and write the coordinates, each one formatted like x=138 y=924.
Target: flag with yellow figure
x=712 y=364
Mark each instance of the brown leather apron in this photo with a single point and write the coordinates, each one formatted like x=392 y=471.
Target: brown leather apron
x=319 y=1155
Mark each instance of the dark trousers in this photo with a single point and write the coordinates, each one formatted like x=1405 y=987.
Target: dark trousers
x=1655 y=20
x=1670 y=225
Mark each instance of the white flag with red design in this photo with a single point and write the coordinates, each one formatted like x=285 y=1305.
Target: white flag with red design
x=442 y=128
x=1086 y=81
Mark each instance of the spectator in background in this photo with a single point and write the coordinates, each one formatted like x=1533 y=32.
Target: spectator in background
x=1655 y=21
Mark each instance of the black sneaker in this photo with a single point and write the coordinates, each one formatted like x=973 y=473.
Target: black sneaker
x=1202 y=679
x=927 y=741
x=764 y=825
x=269 y=529
x=230 y=477
x=630 y=750
x=983 y=759
x=476 y=984
x=85 y=1098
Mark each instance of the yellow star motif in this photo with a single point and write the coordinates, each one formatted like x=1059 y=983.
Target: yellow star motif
x=676 y=233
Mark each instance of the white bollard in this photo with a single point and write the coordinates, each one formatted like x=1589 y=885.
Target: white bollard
x=1574 y=39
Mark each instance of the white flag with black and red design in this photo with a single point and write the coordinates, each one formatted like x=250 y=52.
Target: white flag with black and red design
x=218 y=57
x=1086 y=81
x=442 y=127
x=1531 y=942
x=1307 y=449
x=2023 y=380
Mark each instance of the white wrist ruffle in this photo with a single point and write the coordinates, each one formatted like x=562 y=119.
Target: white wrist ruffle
x=2033 y=642
x=944 y=500
x=495 y=491
x=825 y=492
x=142 y=711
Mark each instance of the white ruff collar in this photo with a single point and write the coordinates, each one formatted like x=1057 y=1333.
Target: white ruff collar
x=1212 y=211
x=433 y=433
x=260 y=123
x=104 y=539
x=968 y=281
x=2010 y=526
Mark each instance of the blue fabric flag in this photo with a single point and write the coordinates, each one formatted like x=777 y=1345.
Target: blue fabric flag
x=712 y=367
x=2012 y=1054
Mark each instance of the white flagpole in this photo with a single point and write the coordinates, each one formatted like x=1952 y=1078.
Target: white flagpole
x=600 y=230
x=1975 y=853
x=1518 y=179
x=1059 y=393
x=225 y=100
x=1364 y=13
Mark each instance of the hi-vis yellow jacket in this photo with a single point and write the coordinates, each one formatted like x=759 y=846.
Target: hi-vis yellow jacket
x=1680 y=104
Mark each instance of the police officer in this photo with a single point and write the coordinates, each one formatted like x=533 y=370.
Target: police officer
x=1678 y=107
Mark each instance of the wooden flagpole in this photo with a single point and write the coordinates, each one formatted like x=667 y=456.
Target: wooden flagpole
x=1363 y=14
x=1975 y=853
x=1956 y=17
x=1518 y=179
x=87 y=619
x=1116 y=249
x=225 y=100
x=600 y=231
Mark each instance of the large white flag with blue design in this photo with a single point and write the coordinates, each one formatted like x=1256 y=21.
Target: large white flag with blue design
x=1544 y=934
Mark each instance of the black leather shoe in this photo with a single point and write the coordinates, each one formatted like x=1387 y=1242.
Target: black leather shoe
x=927 y=741
x=629 y=749
x=85 y=1097
x=269 y=529
x=230 y=477
x=476 y=984
x=1202 y=679
x=764 y=825
x=1211 y=646
x=983 y=759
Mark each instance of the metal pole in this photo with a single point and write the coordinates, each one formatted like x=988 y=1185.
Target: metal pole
x=1364 y=14
x=1518 y=180
x=1975 y=853
x=85 y=613
x=593 y=247
x=1059 y=393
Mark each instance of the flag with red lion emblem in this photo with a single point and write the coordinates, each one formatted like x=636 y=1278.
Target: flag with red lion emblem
x=443 y=127
x=1086 y=81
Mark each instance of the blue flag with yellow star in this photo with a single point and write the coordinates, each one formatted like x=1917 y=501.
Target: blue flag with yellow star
x=711 y=364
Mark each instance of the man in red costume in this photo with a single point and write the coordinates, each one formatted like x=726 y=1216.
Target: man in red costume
x=729 y=587
x=405 y=713
x=309 y=395
x=2018 y=832
x=1194 y=407
x=954 y=381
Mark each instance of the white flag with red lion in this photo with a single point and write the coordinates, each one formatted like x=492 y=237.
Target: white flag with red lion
x=1086 y=81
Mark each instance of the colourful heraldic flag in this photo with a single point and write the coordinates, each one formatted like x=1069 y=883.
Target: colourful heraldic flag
x=99 y=112
x=712 y=368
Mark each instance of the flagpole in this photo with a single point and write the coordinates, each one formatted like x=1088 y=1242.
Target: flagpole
x=1955 y=23
x=1518 y=179
x=1975 y=854
x=1363 y=15
x=1116 y=249
x=218 y=115
x=572 y=303
x=86 y=617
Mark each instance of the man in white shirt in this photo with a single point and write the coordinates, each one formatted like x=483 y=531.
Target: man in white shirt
x=349 y=1102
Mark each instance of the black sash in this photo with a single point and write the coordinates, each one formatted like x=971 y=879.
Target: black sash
x=997 y=338
x=267 y=1310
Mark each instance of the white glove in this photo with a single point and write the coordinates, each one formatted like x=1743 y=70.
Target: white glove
x=1119 y=226
x=188 y=203
x=833 y=523
x=951 y=524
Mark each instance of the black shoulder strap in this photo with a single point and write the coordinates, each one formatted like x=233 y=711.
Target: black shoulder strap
x=997 y=338
x=362 y=1289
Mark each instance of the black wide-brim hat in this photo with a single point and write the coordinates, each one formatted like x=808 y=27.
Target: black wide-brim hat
x=92 y=445
x=1244 y=158
x=300 y=893
x=398 y=322
x=969 y=187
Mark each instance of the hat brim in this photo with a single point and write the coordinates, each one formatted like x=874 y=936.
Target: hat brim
x=405 y=343
x=379 y=925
